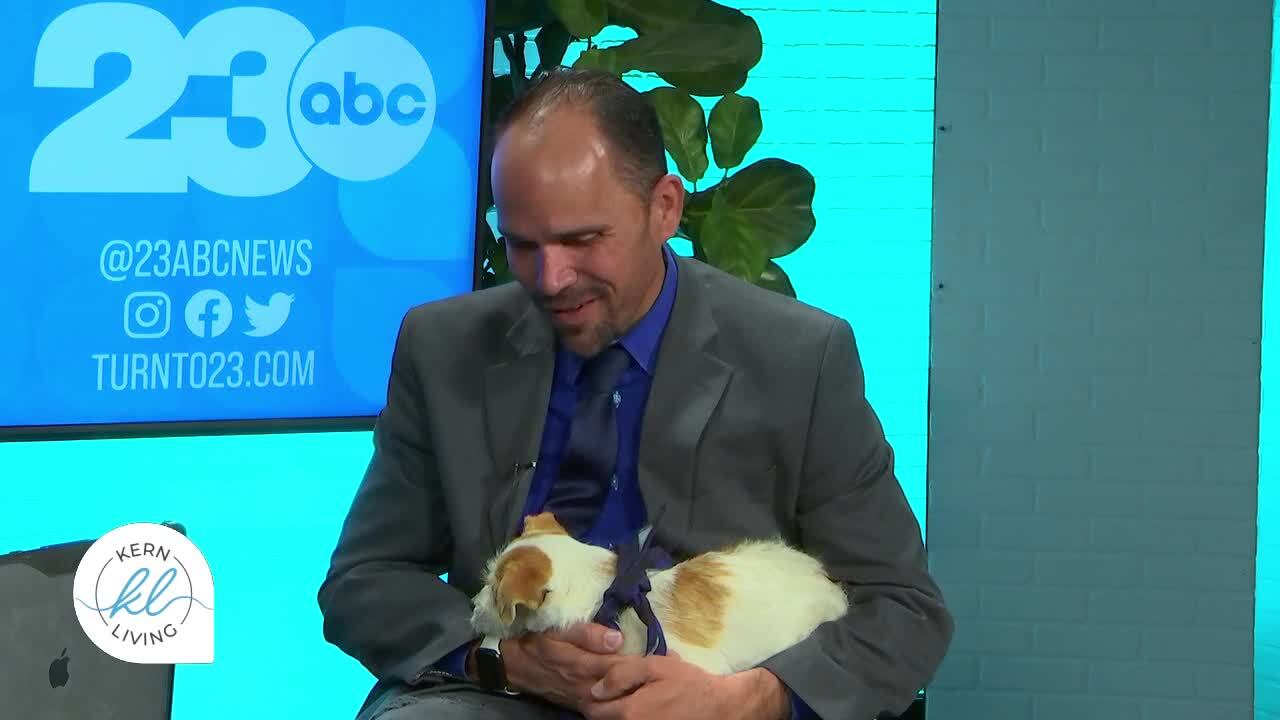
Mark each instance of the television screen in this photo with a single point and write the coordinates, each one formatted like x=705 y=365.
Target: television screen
x=217 y=213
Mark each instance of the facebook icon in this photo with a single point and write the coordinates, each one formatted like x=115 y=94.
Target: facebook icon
x=208 y=314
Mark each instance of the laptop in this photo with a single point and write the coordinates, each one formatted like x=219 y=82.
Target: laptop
x=49 y=668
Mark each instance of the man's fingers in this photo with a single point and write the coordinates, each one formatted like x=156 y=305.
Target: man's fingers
x=591 y=637
x=622 y=679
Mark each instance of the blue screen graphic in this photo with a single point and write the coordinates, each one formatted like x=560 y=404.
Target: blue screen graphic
x=212 y=211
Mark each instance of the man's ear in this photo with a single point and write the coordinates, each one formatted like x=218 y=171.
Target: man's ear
x=667 y=205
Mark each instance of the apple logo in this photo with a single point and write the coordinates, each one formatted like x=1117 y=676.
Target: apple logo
x=58 y=675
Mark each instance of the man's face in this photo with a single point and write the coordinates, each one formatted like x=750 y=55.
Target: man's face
x=583 y=243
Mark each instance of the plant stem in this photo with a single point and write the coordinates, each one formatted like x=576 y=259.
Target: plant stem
x=513 y=48
x=509 y=50
x=521 y=39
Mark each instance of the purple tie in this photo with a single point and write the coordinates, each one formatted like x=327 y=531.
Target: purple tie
x=592 y=451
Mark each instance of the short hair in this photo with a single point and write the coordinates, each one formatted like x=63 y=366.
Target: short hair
x=625 y=117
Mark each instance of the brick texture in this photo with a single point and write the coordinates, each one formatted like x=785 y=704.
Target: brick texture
x=1266 y=630
x=1098 y=239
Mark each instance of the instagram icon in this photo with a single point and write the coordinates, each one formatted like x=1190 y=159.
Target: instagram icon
x=146 y=315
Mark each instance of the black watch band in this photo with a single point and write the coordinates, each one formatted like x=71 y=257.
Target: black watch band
x=491 y=671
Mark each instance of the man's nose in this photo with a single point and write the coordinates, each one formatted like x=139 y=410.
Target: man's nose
x=556 y=272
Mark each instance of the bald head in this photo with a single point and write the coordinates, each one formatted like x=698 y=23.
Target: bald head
x=620 y=117
x=558 y=146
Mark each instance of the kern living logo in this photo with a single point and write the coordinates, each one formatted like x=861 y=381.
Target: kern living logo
x=144 y=594
x=357 y=104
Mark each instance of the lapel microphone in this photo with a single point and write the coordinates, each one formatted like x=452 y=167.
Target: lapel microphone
x=519 y=468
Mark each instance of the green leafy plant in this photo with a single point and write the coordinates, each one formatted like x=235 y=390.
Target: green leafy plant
x=740 y=222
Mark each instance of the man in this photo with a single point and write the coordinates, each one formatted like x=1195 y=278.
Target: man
x=726 y=411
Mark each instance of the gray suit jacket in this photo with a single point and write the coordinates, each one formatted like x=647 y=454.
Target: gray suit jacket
x=757 y=425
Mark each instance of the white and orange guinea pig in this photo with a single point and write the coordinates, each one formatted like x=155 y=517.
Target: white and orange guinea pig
x=725 y=611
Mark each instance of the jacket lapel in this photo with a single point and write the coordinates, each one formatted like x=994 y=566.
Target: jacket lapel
x=516 y=393
x=689 y=381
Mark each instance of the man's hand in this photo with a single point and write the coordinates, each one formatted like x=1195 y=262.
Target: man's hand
x=667 y=687
x=562 y=666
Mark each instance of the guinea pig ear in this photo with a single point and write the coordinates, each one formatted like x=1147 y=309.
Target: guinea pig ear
x=521 y=579
x=506 y=611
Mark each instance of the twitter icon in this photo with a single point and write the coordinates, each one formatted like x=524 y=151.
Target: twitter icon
x=267 y=319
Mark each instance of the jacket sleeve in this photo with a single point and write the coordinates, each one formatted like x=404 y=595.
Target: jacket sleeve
x=853 y=516
x=382 y=600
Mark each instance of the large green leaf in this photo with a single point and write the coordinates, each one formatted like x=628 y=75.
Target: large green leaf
x=729 y=243
x=552 y=41
x=648 y=15
x=515 y=16
x=597 y=59
x=684 y=130
x=735 y=126
x=583 y=18
x=699 y=46
x=771 y=197
x=775 y=198
x=775 y=279
x=696 y=207
x=702 y=60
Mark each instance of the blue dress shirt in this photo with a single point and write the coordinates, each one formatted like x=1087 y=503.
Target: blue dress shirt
x=623 y=514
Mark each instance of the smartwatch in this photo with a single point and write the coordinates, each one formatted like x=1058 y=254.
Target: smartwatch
x=491 y=672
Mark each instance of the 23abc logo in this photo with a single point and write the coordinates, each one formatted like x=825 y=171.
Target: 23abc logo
x=359 y=104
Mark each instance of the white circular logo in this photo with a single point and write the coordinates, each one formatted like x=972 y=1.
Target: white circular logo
x=144 y=594
x=362 y=103
x=208 y=314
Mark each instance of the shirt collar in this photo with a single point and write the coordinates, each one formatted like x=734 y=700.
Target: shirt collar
x=643 y=339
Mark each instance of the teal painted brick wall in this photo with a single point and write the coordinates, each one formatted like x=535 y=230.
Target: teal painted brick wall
x=1267 y=596
x=853 y=104
x=847 y=90
x=1097 y=251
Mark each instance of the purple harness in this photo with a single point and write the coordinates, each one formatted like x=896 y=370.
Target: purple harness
x=630 y=589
